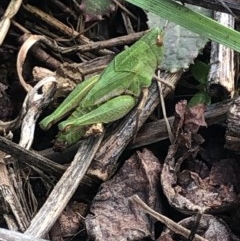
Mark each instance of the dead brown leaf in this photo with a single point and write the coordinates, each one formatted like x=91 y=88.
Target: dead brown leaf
x=113 y=216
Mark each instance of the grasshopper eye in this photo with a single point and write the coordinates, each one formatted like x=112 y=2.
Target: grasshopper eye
x=159 y=40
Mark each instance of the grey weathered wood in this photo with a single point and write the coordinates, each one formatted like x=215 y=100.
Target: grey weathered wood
x=12 y=209
x=232 y=135
x=217 y=5
x=64 y=189
x=222 y=72
x=30 y=157
x=7 y=235
x=156 y=131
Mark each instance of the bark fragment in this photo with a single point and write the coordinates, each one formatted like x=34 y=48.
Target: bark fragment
x=113 y=216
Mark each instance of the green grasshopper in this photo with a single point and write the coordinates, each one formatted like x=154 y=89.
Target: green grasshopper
x=110 y=96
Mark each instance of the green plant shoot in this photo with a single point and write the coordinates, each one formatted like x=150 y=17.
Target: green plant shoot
x=110 y=96
x=200 y=71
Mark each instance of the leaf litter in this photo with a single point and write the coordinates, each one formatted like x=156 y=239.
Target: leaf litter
x=113 y=216
x=189 y=183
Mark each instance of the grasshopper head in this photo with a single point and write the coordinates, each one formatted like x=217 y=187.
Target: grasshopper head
x=154 y=39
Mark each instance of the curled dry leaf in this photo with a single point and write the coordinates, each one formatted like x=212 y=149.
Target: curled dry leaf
x=190 y=183
x=113 y=216
x=22 y=54
x=216 y=191
x=191 y=118
x=194 y=118
x=210 y=227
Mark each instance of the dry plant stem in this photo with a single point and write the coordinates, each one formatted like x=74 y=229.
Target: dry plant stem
x=31 y=158
x=6 y=235
x=228 y=9
x=106 y=159
x=222 y=59
x=195 y=226
x=81 y=69
x=5 y=21
x=175 y=227
x=59 y=25
x=22 y=56
x=64 y=189
x=9 y=199
x=28 y=105
x=35 y=104
x=130 y=38
x=15 y=197
x=170 y=134
x=64 y=8
x=16 y=208
x=161 y=80
x=125 y=10
x=63 y=157
x=40 y=54
x=218 y=5
x=157 y=131
x=20 y=27
x=127 y=23
x=10 y=221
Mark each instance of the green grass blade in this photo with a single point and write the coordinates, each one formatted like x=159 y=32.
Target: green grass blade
x=191 y=20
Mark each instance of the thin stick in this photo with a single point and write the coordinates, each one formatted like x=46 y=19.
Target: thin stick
x=125 y=10
x=169 y=85
x=175 y=227
x=170 y=134
x=228 y=9
x=130 y=38
x=64 y=189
